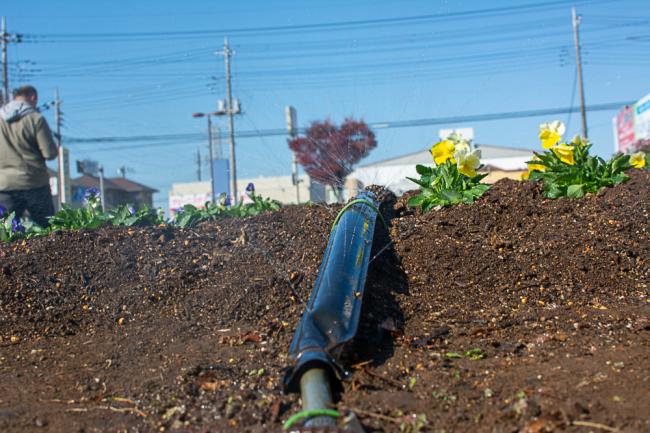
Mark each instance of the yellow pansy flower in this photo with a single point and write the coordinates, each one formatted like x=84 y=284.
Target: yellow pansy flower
x=442 y=151
x=565 y=153
x=468 y=162
x=551 y=133
x=535 y=167
x=637 y=160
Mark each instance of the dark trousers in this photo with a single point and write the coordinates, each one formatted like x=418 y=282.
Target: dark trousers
x=37 y=201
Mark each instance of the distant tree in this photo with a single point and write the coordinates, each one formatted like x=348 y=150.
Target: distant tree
x=328 y=152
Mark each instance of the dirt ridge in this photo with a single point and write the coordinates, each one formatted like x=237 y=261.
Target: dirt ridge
x=154 y=329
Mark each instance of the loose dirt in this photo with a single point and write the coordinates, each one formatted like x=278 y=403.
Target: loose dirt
x=513 y=314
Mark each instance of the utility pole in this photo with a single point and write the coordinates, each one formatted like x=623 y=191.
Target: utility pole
x=198 y=164
x=291 y=119
x=57 y=116
x=5 y=69
x=576 y=39
x=231 y=125
x=209 y=116
x=294 y=177
x=212 y=192
x=6 y=39
x=62 y=157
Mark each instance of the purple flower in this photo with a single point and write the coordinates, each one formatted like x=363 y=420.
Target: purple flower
x=16 y=226
x=91 y=193
x=131 y=209
x=3 y=211
x=250 y=187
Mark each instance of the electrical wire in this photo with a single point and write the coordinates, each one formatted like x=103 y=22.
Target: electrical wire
x=329 y=26
x=169 y=139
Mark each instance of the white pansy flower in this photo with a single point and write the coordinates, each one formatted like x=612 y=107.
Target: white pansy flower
x=468 y=161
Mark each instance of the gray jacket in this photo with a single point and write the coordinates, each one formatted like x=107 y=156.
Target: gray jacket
x=26 y=142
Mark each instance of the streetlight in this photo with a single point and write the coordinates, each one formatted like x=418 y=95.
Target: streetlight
x=209 y=116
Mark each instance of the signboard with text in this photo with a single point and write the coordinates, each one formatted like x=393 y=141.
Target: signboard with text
x=624 y=122
x=177 y=201
x=632 y=126
x=642 y=119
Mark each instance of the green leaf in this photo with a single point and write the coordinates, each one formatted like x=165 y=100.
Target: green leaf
x=451 y=195
x=554 y=191
x=575 y=191
x=475 y=354
x=620 y=163
x=619 y=178
x=423 y=169
x=423 y=183
x=416 y=200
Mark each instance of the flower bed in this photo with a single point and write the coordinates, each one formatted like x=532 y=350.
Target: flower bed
x=513 y=313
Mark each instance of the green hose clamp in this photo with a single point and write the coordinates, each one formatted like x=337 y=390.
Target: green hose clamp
x=355 y=201
x=307 y=414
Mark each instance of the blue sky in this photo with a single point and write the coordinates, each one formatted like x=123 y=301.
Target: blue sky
x=127 y=68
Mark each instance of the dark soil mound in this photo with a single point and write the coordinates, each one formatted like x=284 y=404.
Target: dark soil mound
x=187 y=330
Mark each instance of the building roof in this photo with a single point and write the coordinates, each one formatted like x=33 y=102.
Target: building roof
x=129 y=185
x=114 y=183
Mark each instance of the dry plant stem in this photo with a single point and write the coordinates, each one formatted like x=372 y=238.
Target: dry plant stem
x=133 y=410
x=594 y=425
x=123 y=400
x=77 y=409
x=360 y=365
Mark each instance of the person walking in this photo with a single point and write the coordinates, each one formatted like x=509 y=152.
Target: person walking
x=26 y=142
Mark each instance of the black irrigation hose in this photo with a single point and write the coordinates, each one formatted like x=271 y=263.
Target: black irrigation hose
x=355 y=201
x=331 y=317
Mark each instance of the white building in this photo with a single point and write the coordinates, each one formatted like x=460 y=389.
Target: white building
x=278 y=188
x=498 y=161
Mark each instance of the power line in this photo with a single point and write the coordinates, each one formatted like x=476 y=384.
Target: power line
x=351 y=47
x=333 y=46
x=170 y=139
x=447 y=16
